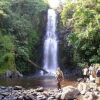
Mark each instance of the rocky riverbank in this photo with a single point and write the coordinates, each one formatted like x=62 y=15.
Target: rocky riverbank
x=19 y=93
x=89 y=91
x=84 y=91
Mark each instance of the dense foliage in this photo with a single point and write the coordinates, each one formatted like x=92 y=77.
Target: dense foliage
x=22 y=23
x=83 y=20
x=21 y=26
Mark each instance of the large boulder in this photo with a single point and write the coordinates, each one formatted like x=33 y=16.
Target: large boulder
x=92 y=85
x=82 y=87
x=69 y=92
x=90 y=96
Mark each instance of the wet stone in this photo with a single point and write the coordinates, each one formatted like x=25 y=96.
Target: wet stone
x=10 y=98
x=34 y=94
x=58 y=96
x=2 y=87
x=41 y=89
x=1 y=97
x=51 y=98
x=41 y=97
x=18 y=88
x=20 y=98
x=28 y=97
x=5 y=94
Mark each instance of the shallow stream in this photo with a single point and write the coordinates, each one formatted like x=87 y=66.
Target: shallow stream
x=36 y=81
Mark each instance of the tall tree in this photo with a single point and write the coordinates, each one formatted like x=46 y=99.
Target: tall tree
x=83 y=18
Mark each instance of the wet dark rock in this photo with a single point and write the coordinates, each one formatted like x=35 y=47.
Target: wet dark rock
x=5 y=94
x=2 y=87
x=1 y=97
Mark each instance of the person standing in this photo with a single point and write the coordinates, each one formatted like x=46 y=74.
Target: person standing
x=59 y=77
x=98 y=76
x=92 y=73
x=85 y=73
x=91 y=69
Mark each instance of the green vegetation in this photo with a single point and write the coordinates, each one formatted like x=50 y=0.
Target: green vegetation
x=7 y=56
x=22 y=23
x=83 y=20
x=20 y=31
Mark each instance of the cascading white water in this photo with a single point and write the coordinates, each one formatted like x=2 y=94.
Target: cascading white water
x=50 y=43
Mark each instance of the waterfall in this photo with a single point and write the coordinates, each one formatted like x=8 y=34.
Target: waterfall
x=50 y=43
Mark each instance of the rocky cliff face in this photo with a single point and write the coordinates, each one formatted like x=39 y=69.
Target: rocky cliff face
x=65 y=50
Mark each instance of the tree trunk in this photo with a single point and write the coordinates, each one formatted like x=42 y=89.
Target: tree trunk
x=37 y=66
